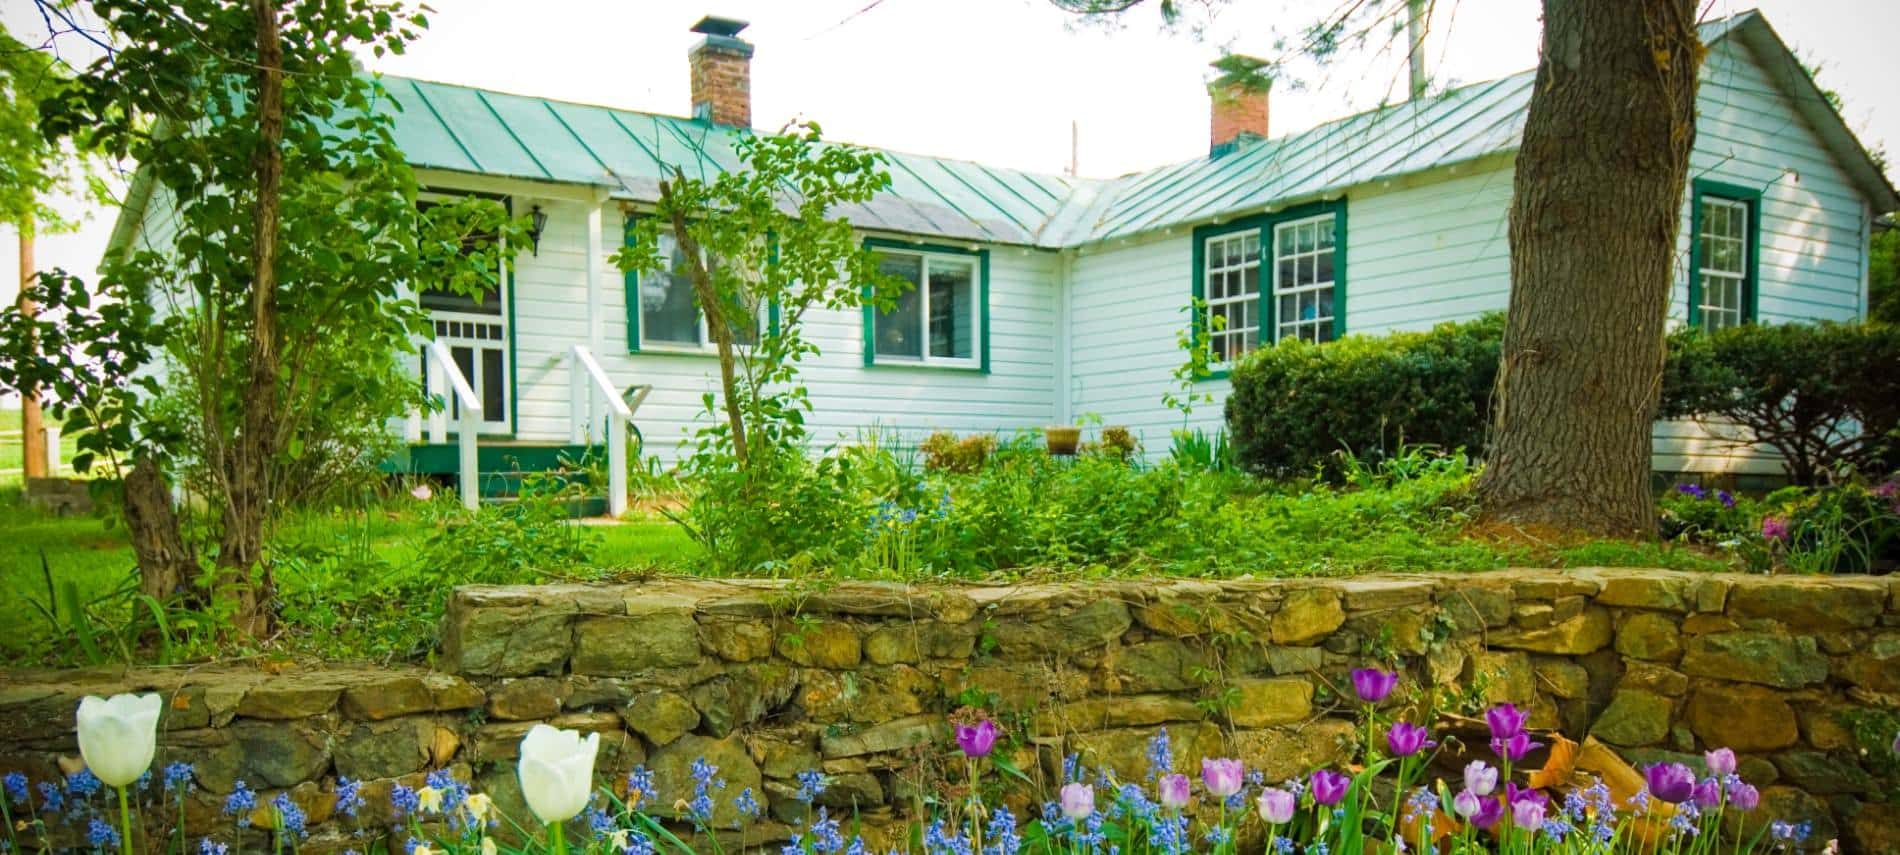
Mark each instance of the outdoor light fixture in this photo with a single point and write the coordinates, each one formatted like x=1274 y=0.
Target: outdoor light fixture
x=537 y=221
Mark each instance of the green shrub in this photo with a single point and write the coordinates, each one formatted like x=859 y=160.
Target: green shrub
x=1826 y=396
x=1848 y=528
x=1297 y=405
x=944 y=452
x=1691 y=513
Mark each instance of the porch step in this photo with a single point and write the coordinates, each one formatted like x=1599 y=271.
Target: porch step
x=493 y=456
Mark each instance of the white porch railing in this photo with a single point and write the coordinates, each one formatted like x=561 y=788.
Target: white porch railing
x=590 y=396
x=445 y=374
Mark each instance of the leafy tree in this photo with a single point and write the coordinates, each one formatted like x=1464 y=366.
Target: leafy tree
x=1883 y=274
x=276 y=311
x=763 y=247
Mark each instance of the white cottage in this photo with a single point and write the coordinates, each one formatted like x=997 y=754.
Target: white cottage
x=1051 y=297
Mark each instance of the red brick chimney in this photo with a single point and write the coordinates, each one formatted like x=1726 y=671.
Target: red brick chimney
x=722 y=73
x=1239 y=96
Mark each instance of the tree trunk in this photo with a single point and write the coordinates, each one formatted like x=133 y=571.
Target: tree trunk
x=1596 y=204
x=166 y=566
x=249 y=499
x=32 y=426
x=716 y=323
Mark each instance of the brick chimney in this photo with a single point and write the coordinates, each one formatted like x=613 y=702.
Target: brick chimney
x=1239 y=96
x=722 y=73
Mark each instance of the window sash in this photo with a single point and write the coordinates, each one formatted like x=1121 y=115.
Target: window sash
x=1230 y=289
x=1723 y=262
x=702 y=339
x=929 y=319
x=1306 y=249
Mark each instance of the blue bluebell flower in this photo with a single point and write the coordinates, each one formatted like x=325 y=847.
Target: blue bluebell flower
x=101 y=835
x=640 y=786
x=639 y=844
x=1160 y=755
x=825 y=834
x=1001 y=832
x=1072 y=768
x=1171 y=835
x=404 y=800
x=747 y=805
x=811 y=785
x=940 y=841
x=240 y=803
x=794 y=846
x=207 y=846
x=178 y=778
x=454 y=793
x=82 y=783
x=349 y=796
x=144 y=781
x=598 y=821
x=289 y=816
x=15 y=783
x=857 y=846
x=51 y=799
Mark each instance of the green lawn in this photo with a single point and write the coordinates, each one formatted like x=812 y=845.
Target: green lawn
x=350 y=583
x=10 y=447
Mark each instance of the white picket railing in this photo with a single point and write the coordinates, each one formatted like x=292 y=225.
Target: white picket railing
x=50 y=433
x=445 y=374
x=590 y=396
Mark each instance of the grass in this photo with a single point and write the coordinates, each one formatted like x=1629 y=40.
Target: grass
x=11 y=451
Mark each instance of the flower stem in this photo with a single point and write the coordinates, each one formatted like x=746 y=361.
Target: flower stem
x=125 y=823
x=556 y=845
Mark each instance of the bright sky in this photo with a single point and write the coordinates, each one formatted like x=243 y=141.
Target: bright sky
x=999 y=81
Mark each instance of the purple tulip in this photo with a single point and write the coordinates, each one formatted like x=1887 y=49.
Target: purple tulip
x=1670 y=782
x=1489 y=812
x=1174 y=791
x=1480 y=778
x=1374 y=685
x=1078 y=801
x=1516 y=795
x=1774 y=528
x=1405 y=739
x=1514 y=748
x=1692 y=490
x=1466 y=804
x=978 y=739
x=1277 y=806
x=1223 y=777
x=1743 y=796
x=1506 y=720
x=1528 y=815
x=1708 y=794
x=1721 y=762
x=1329 y=787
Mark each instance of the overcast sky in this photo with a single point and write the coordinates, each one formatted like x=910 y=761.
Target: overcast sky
x=1000 y=81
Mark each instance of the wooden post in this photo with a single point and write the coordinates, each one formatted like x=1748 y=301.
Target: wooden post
x=32 y=437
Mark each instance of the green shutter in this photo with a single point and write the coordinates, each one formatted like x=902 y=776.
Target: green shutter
x=631 y=282
x=1751 y=277
x=982 y=296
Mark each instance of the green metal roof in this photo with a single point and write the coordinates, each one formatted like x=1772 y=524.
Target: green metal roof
x=477 y=131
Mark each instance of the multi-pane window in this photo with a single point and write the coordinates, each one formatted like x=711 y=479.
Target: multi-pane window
x=935 y=321
x=1232 y=292
x=669 y=310
x=1303 y=257
x=1722 y=263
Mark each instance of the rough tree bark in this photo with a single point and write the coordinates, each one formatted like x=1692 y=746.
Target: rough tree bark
x=1596 y=204
x=716 y=324
x=166 y=565
x=248 y=499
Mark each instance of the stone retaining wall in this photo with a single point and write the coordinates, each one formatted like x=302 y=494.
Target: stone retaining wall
x=766 y=679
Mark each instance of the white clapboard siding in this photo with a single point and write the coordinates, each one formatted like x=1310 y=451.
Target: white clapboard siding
x=849 y=400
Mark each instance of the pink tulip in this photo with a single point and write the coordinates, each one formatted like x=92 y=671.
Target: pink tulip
x=1223 y=777
x=1174 y=791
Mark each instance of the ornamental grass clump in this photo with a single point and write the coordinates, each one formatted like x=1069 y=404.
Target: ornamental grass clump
x=1384 y=798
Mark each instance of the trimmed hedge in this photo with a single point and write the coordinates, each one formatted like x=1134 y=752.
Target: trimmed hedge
x=1826 y=396
x=1296 y=405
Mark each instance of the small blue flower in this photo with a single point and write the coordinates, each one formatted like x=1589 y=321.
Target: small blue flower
x=101 y=835
x=404 y=799
x=794 y=846
x=178 y=778
x=51 y=799
x=289 y=816
x=598 y=821
x=1160 y=756
x=811 y=785
x=207 y=846
x=15 y=783
x=638 y=844
x=240 y=803
x=1001 y=833
x=825 y=835
x=349 y=796
x=640 y=785
x=747 y=805
x=1726 y=498
x=82 y=783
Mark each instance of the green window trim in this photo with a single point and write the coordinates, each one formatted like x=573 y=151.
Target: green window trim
x=630 y=283
x=1264 y=225
x=1751 y=268
x=869 y=312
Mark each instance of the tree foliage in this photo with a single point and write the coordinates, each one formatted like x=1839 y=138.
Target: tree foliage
x=252 y=338
x=763 y=247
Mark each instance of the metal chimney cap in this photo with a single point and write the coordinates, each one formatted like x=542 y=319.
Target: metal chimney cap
x=714 y=25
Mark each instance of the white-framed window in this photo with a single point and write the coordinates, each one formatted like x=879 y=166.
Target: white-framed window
x=668 y=315
x=1231 y=290
x=1303 y=279
x=1722 y=263
x=938 y=321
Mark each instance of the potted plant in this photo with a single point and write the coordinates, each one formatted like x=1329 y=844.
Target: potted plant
x=1062 y=439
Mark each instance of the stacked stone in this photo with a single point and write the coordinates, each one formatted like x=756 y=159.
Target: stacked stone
x=768 y=679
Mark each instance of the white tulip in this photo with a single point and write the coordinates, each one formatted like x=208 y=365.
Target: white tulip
x=557 y=772
x=117 y=736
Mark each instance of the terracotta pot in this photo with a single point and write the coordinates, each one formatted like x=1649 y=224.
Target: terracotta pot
x=1062 y=439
